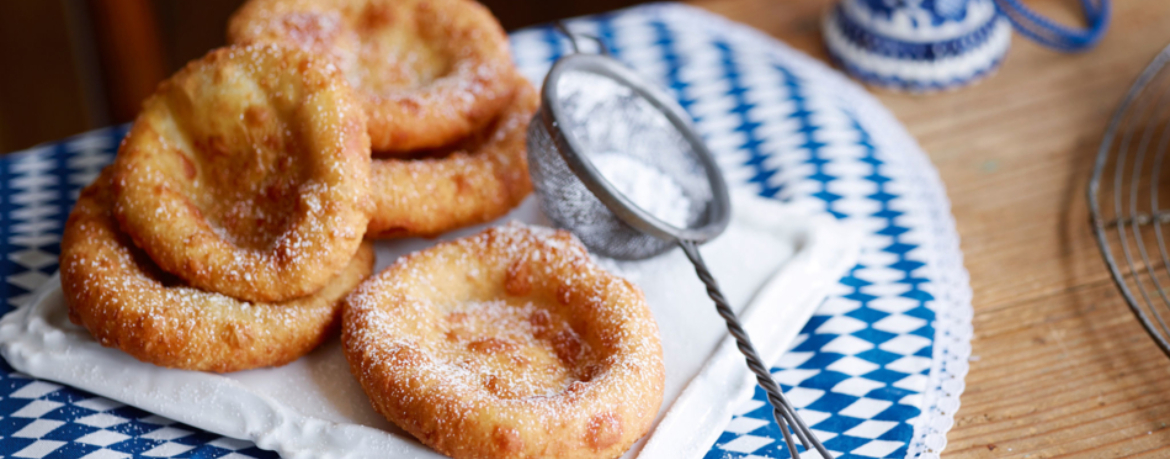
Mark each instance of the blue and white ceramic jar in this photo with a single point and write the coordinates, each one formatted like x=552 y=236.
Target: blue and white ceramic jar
x=917 y=45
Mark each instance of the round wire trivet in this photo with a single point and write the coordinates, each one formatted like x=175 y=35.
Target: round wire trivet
x=1129 y=198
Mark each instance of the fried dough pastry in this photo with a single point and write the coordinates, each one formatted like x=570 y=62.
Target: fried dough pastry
x=508 y=344
x=124 y=300
x=429 y=71
x=247 y=174
x=484 y=178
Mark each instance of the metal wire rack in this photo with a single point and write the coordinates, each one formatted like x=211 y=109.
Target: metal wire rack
x=1129 y=198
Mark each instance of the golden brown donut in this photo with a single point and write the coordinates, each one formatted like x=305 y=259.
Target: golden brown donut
x=429 y=71
x=484 y=178
x=247 y=174
x=124 y=300
x=508 y=344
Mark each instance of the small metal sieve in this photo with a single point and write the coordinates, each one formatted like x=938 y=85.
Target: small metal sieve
x=592 y=105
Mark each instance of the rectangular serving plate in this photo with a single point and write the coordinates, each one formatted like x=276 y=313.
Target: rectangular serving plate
x=775 y=264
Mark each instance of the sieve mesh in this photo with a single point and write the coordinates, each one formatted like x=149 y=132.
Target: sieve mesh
x=592 y=109
x=604 y=117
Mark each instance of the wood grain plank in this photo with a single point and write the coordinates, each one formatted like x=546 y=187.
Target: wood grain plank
x=1063 y=369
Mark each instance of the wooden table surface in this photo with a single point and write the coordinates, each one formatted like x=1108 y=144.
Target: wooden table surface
x=1059 y=367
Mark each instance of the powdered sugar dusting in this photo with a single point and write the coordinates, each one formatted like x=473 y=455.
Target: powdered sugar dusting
x=649 y=188
x=126 y=301
x=478 y=180
x=430 y=72
x=247 y=173
x=514 y=350
x=514 y=328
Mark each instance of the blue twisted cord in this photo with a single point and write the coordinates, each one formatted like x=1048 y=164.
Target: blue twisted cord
x=1057 y=36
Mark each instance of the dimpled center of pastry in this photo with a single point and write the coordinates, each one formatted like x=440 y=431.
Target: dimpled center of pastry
x=243 y=167
x=396 y=50
x=515 y=348
x=381 y=47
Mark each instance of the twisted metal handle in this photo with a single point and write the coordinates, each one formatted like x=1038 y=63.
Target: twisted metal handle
x=782 y=410
x=573 y=36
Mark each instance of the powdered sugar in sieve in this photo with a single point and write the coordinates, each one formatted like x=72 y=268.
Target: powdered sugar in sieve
x=617 y=162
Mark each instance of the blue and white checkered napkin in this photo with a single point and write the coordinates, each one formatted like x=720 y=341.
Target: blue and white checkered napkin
x=878 y=370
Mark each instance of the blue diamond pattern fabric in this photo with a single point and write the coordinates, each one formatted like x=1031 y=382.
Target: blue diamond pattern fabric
x=875 y=373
